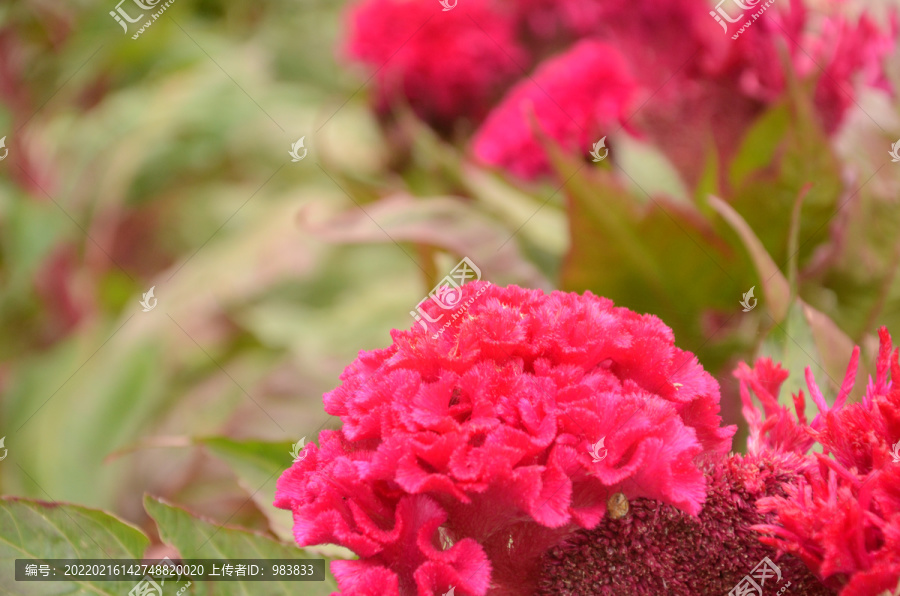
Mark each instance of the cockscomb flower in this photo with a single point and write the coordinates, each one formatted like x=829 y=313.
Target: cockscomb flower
x=553 y=20
x=843 y=517
x=778 y=432
x=708 y=85
x=444 y=64
x=574 y=99
x=831 y=49
x=463 y=458
x=703 y=83
x=658 y=549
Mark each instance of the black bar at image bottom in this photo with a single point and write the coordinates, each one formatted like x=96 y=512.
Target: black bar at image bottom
x=66 y=570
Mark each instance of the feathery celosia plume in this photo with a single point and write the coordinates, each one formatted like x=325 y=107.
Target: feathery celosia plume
x=843 y=517
x=462 y=459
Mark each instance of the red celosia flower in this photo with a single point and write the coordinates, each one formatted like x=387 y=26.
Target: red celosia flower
x=657 y=549
x=551 y=20
x=779 y=433
x=708 y=85
x=837 y=54
x=462 y=459
x=700 y=82
x=843 y=519
x=574 y=99
x=445 y=64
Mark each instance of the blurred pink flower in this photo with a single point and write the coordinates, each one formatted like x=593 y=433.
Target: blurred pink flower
x=446 y=65
x=707 y=88
x=554 y=20
x=848 y=52
x=837 y=53
x=690 y=84
x=574 y=99
x=462 y=460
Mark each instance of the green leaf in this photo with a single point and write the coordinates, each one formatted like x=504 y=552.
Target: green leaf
x=785 y=152
x=97 y=397
x=657 y=256
x=761 y=143
x=195 y=538
x=775 y=287
x=441 y=222
x=791 y=342
x=835 y=346
x=257 y=465
x=645 y=162
x=808 y=338
x=38 y=530
x=605 y=239
x=544 y=237
x=802 y=336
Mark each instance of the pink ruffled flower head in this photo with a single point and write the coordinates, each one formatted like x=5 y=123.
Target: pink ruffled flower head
x=445 y=64
x=843 y=517
x=574 y=99
x=462 y=459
